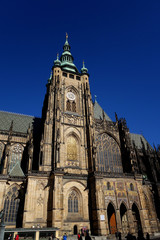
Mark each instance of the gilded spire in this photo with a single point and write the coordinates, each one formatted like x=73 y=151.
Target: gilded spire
x=66 y=36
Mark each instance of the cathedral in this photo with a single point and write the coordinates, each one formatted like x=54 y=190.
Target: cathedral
x=74 y=169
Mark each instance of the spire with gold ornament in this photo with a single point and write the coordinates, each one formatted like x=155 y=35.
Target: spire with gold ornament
x=67 y=58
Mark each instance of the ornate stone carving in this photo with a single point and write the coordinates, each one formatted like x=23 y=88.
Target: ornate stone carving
x=40 y=201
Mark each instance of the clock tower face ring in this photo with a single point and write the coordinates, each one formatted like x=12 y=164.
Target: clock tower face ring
x=71 y=96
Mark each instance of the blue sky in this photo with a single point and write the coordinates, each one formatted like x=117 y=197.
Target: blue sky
x=119 y=41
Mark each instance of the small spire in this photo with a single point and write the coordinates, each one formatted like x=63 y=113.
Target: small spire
x=95 y=98
x=84 y=69
x=57 y=62
x=66 y=36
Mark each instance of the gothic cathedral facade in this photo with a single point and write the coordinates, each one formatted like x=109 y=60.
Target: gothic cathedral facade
x=74 y=168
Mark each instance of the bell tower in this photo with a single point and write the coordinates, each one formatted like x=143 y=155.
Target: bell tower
x=67 y=114
x=67 y=142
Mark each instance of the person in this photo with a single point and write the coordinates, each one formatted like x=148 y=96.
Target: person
x=17 y=237
x=140 y=235
x=10 y=237
x=65 y=237
x=147 y=236
x=87 y=237
x=116 y=235
x=79 y=236
x=51 y=237
x=129 y=236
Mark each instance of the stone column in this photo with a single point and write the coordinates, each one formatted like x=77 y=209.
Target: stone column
x=2 y=230
x=131 y=221
x=118 y=219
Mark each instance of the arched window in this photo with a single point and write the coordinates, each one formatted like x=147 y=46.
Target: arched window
x=73 y=106
x=11 y=205
x=108 y=154
x=73 y=202
x=108 y=186
x=131 y=187
x=71 y=148
x=68 y=106
x=16 y=156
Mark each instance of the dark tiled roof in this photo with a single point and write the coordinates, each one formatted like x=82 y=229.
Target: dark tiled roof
x=137 y=139
x=98 y=112
x=20 y=122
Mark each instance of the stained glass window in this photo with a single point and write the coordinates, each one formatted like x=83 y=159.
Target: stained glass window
x=71 y=148
x=16 y=156
x=11 y=205
x=73 y=202
x=108 y=154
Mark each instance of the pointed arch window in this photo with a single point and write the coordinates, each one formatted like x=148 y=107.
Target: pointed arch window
x=131 y=187
x=73 y=106
x=71 y=148
x=108 y=186
x=11 y=205
x=68 y=106
x=71 y=99
x=108 y=154
x=16 y=156
x=73 y=202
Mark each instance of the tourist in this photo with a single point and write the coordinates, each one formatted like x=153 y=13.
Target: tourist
x=51 y=237
x=10 y=237
x=65 y=237
x=17 y=237
x=87 y=237
x=147 y=236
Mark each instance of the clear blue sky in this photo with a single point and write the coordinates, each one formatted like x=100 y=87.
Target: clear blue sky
x=119 y=41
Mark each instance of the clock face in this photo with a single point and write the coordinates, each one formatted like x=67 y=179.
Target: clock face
x=71 y=96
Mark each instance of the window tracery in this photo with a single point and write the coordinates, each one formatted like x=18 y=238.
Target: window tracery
x=71 y=148
x=108 y=154
x=11 y=205
x=68 y=106
x=73 y=202
x=16 y=156
x=71 y=101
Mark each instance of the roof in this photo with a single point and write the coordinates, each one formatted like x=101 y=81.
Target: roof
x=20 y=122
x=98 y=112
x=137 y=139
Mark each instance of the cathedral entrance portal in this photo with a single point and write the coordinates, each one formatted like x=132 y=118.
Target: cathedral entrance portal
x=136 y=218
x=124 y=218
x=111 y=219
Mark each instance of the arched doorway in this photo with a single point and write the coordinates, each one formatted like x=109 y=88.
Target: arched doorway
x=111 y=219
x=124 y=218
x=136 y=218
x=75 y=230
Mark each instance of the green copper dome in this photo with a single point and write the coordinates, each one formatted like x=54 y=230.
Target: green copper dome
x=67 y=58
x=84 y=70
x=57 y=62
